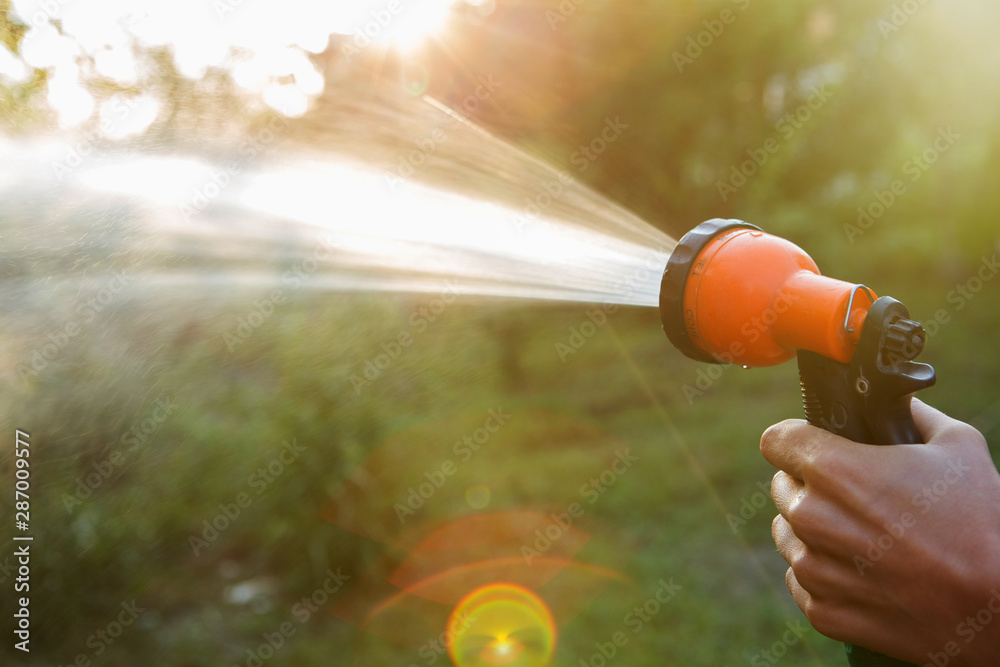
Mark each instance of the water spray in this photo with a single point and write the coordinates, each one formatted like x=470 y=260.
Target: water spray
x=734 y=294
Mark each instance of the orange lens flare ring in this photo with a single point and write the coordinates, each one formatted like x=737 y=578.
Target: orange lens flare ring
x=501 y=624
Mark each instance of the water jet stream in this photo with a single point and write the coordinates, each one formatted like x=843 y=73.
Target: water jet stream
x=337 y=222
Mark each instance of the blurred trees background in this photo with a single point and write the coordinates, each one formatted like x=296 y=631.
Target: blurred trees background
x=850 y=104
x=696 y=101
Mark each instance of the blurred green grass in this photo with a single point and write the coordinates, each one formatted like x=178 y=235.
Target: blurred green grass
x=292 y=379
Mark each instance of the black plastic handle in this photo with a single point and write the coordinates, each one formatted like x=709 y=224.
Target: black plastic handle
x=868 y=399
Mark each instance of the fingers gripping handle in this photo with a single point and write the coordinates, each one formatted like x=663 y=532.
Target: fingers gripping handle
x=868 y=399
x=832 y=402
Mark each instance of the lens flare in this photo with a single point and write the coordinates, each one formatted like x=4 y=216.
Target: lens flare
x=477 y=497
x=506 y=625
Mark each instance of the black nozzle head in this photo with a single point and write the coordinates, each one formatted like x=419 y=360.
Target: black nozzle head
x=675 y=277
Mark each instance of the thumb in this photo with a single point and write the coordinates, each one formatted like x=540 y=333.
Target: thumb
x=937 y=428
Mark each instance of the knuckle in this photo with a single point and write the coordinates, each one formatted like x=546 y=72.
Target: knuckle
x=821 y=617
x=807 y=518
x=824 y=466
x=777 y=527
x=958 y=432
x=799 y=563
x=776 y=434
x=799 y=513
x=967 y=433
x=809 y=572
x=806 y=569
x=780 y=487
x=813 y=611
x=776 y=481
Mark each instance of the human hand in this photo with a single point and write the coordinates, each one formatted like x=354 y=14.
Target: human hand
x=894 y=548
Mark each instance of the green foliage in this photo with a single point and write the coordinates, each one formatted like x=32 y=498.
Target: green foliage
x=296 y=377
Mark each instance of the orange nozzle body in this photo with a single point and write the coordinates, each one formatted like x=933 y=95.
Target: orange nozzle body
x=738 y=295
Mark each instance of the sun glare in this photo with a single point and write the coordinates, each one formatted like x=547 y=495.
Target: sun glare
x=265 y=45
x=401 y=24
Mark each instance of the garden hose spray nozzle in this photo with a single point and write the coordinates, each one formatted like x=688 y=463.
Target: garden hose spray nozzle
x=734 y=294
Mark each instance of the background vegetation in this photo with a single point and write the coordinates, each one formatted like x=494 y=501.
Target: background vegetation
x=566 y=68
